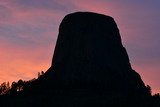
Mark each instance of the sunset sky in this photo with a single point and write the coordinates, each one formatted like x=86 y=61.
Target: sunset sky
x=29 y=29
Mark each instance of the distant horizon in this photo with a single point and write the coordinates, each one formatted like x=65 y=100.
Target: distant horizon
x=29 y=31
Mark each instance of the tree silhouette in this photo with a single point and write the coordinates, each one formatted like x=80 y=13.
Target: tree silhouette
x=40 y=73
x=4 y=88
x=20 y=84
x=13 y=89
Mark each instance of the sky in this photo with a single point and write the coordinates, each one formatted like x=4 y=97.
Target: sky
x=29 y=29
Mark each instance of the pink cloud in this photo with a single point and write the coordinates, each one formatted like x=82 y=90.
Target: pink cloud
x=21 y=63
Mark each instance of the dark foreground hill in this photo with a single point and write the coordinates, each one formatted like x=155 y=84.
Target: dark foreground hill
x=90 y=67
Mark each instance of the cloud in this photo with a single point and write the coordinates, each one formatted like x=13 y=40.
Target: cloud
x=25 y=34
x=5 y=13
x=28 y=25
x=22 y=63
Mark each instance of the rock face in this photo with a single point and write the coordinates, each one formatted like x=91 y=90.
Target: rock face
x=89 y=54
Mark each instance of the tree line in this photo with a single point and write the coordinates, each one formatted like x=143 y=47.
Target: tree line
x=15 y=87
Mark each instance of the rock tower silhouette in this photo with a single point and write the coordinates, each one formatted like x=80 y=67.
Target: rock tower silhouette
x=89 y=54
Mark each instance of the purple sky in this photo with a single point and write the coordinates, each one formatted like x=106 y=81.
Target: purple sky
x=29 y=28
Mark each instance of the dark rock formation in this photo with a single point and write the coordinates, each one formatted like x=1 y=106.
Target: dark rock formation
x=90 y=68
x=89 y=54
